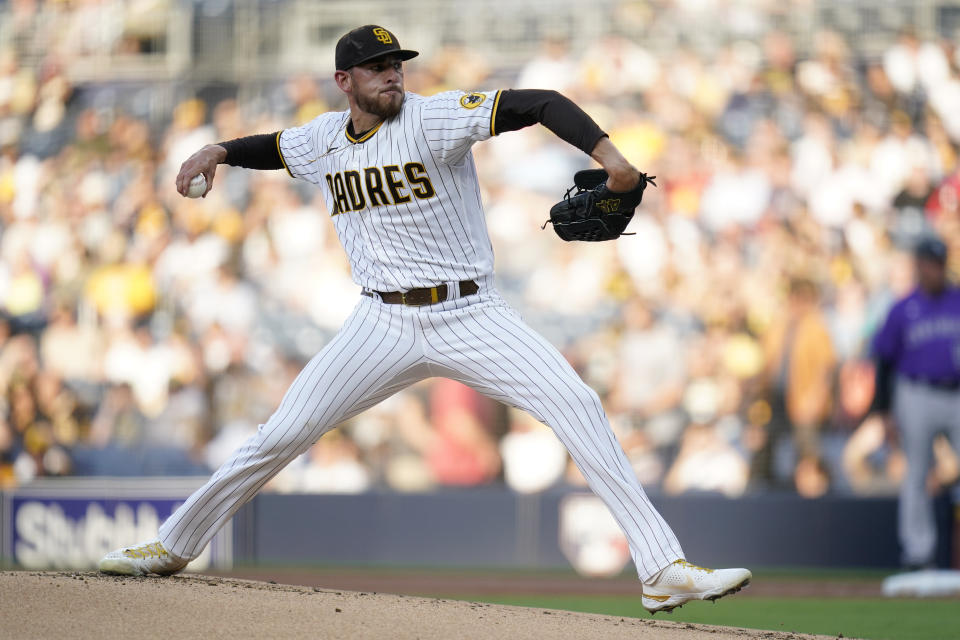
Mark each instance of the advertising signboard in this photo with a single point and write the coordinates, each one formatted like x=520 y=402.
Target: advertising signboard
x=72 y=524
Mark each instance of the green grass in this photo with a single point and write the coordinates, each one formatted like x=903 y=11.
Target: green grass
x=821 y=574
x=875 y=619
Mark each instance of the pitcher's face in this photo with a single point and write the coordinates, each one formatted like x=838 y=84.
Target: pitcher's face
x=376 y=86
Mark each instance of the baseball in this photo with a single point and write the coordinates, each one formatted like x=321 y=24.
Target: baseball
x=198 y=186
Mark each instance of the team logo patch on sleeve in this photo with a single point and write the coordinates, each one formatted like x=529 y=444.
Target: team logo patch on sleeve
x=472 y=100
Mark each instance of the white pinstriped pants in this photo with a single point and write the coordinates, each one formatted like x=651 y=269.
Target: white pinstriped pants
x=382 y=348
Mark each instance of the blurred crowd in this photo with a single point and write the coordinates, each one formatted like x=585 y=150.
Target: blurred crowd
x=144 y=333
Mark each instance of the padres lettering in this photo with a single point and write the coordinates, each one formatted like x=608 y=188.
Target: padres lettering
x=383 y=35
x=379 y=186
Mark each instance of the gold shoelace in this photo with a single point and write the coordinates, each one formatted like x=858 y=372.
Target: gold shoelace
x=688 y=565
x=150 y=550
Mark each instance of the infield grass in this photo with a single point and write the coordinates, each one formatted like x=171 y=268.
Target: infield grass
x=874 y=619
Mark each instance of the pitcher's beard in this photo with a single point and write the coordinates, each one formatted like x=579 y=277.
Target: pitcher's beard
x=378 y=108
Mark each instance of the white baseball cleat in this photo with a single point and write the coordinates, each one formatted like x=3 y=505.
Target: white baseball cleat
x=682 y=582
x=149 y=557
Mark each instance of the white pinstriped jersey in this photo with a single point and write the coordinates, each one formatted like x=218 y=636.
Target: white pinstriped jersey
x=404 y=197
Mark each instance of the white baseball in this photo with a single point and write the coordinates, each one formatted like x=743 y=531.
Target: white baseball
x=198 y=186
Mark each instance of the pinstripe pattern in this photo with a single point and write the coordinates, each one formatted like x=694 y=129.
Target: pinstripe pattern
x=478 y=339
x=381 y=349
x=489 y=348
x=422 y=242
x=374 y=354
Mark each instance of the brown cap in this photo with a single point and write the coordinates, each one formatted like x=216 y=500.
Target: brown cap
x=366 y=43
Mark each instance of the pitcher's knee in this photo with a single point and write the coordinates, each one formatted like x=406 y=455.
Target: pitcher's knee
x=577 y=403
x=587 y=397
x=287 y=440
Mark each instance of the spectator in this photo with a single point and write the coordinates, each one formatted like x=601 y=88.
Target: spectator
x=649 y=382
x=332 y=465
x=800 y=363
x=533 y=458
x=707 y=463
x=460 y=451
x=811 y=477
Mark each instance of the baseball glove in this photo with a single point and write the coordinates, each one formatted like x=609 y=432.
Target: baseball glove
x=594 y=213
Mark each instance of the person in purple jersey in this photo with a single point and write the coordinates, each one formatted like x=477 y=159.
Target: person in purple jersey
x=918 y=364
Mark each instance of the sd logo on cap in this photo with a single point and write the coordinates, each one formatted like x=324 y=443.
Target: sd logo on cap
x=366 y=43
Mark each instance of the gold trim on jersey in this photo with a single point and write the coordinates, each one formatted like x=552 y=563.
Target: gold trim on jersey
x=493 y=114
x=280 y=153
x=364 y=137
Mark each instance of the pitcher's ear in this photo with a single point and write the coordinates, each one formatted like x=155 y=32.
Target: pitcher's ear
x=344 y=80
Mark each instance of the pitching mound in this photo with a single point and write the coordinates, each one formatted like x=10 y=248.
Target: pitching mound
x=75 y=605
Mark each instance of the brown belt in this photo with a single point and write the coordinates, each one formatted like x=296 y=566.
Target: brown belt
x=420 y=297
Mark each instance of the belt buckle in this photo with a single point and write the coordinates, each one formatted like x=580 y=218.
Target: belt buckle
x=410 y=303
x=433 y=299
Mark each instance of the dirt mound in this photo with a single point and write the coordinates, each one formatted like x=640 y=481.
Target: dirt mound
x=87 y=604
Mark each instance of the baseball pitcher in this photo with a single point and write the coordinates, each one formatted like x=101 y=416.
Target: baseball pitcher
x=398 y=176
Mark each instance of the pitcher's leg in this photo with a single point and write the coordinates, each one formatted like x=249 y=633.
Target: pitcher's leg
x=370 y=358
x=495 y=352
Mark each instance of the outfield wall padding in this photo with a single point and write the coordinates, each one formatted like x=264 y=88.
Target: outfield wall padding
x=498 y=529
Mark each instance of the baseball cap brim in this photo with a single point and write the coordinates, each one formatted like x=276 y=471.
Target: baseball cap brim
x=403 y=54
